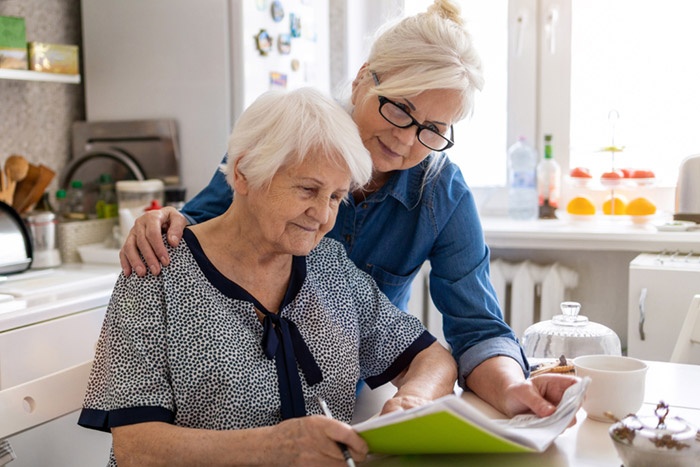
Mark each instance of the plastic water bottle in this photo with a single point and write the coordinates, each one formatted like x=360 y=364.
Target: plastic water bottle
x=522 y=181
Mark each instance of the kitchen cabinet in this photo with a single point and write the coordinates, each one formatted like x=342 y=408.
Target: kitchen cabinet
x=50 y=321
x=661 y=288
x=28 y=75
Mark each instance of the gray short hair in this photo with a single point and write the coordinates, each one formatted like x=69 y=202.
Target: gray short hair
x=281 y=128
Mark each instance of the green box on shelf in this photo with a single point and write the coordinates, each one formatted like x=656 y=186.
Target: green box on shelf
x=13 y=43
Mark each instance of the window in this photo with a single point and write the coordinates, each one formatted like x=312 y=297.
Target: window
x=591 y=72
x=480 y=140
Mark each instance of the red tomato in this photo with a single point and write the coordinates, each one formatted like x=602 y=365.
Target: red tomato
x=627 y=173
x=580 y=172
x=642 y=174
x=613 y=175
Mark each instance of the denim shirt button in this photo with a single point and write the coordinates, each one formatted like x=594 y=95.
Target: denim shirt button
x=364 y=205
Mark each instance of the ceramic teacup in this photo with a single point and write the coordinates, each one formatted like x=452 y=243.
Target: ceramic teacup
x=617 y=385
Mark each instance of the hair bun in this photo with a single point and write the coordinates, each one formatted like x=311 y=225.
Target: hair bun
x=448 y=10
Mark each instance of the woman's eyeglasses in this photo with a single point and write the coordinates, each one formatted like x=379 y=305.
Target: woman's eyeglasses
x=396 y=114
x=429 y=136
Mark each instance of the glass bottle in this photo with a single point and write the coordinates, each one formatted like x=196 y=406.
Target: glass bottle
x=106 y=205
x=522 y=181
x=548 y=182
x=75 y=199
x=62 y=204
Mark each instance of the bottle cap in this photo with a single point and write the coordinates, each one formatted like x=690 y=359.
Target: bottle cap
x=61 y=194
x=76 y=184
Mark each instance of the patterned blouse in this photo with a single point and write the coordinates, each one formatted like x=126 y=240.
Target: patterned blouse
x=186 y=347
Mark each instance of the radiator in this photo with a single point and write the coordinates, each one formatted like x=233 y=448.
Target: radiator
x=527 y=292
x=530 y=292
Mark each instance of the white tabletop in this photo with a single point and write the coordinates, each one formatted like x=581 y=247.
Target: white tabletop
x=587 y=443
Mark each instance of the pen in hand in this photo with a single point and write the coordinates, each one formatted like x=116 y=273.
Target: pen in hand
x=346 y=453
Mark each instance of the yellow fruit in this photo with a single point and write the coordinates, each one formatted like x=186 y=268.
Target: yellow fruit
x=581 y=206
x=615 y=205
x=640 y=207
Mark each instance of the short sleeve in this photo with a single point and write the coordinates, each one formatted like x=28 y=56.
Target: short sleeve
x=129 y=381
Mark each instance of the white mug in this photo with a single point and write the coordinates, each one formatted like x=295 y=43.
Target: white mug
x=617 y=385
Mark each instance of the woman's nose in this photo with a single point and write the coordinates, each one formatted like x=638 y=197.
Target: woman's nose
x=407 y=136
x=321 y=211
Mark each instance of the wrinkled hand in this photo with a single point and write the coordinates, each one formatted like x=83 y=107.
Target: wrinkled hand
x=146 y=238
x=403 y=403
x=540 y=394
x=312 y=441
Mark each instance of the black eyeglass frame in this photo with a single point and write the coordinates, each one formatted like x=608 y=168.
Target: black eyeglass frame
x=450 y=141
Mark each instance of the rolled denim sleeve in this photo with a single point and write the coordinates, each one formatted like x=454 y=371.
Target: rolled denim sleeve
x=460 y=284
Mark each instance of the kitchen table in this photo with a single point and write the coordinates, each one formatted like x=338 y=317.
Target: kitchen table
x=586 y=444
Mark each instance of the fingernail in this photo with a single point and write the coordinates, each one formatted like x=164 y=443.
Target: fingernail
x=154 y=270
x=140 y=271
x=163 y=260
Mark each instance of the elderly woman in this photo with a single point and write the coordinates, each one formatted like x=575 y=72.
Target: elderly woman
x=219 y=359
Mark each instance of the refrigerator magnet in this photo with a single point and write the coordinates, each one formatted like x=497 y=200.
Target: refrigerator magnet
x=263 y=42
x=278 y=80
x=261 y=5
x=284 y=43
x=294 y=25
x=277 y=11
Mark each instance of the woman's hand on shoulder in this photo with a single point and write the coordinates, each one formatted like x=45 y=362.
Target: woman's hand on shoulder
x=313 y=441
x=146 y=239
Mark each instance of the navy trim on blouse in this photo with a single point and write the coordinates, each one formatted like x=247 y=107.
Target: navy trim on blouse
x=402 y=362
x=281 y=340
x=104 y=420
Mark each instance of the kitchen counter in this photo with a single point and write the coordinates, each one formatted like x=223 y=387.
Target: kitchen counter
x=591 y=235
x=41 y=295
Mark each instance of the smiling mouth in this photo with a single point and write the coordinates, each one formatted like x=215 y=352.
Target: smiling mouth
x=388 y=151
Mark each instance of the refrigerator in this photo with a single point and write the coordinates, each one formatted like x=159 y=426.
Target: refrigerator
x=200 y=62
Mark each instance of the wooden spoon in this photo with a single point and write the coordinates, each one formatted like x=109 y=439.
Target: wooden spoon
x=16 y=168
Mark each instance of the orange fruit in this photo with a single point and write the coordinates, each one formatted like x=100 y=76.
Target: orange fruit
x=615 y=205
x=641 y=207
x=581 y=206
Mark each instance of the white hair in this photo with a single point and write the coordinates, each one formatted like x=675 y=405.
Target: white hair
x=280 y=128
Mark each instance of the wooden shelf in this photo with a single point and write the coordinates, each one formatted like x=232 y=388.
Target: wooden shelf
x=28 y=75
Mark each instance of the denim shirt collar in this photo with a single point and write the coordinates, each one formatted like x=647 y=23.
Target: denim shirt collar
x=404 y=185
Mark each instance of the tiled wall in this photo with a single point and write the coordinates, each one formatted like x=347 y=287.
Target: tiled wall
x=36 y=117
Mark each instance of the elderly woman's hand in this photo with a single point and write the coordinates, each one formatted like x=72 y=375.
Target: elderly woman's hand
x=146 y=238
x=313 y=441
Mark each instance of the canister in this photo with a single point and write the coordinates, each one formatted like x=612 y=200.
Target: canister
x=134 y=197
x=42 y=228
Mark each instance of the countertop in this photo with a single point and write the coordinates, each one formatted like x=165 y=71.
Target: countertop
x=41 y=295
x=595 y=234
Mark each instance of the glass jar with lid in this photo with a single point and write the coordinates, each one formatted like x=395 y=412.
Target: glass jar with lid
x=571 y=335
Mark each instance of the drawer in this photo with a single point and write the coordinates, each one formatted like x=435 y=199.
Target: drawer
x=34 y=351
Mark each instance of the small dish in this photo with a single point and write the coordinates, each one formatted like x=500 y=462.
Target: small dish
x=640 y=181
x=676 y=226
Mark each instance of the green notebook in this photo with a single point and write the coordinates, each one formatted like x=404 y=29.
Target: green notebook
x=452 y=425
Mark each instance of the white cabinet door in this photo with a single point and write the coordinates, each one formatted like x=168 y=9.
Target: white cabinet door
x=659 y=297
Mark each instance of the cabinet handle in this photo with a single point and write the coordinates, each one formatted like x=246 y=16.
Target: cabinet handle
x=642 y=312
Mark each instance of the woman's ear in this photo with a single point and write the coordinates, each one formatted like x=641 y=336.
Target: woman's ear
x=240 y=182
x=361 y=74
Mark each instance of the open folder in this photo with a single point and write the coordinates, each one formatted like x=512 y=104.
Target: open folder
x=453 y=425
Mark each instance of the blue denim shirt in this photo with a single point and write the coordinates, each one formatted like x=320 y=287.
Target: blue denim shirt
x=392 y=232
